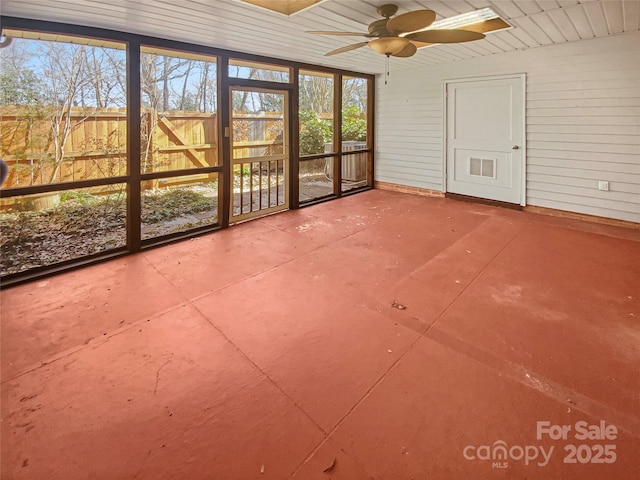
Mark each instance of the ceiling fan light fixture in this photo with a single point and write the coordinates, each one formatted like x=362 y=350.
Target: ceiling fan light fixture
x=408 y=51
x=389 y=45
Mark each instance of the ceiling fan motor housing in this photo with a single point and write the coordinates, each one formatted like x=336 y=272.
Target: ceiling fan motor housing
x=387 y=10
x=379 y=28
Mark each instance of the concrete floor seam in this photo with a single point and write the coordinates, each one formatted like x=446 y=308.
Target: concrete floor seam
x=356 y=404
x=93 y=342
x=262 y=372
x=520 y=374
x=466 y=288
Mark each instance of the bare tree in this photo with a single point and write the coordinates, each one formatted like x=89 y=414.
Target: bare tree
x=240 y=101
x=316 y=93
x=158 y=74
x=206 y=91
x=16 y=56
x=116 y=63
x=185 y=84
x=354 y=92
x=104 y=72
x=65 y=71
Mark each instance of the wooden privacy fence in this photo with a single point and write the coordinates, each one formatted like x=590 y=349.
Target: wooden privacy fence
x=257 y=135
x=93 y=143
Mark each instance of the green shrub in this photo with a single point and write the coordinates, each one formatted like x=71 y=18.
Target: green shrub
x=314 y=133
x=354 y=124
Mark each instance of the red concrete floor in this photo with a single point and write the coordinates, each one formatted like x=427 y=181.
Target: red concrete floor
x=278 y=348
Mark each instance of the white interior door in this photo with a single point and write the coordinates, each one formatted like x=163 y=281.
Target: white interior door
x=485 y=138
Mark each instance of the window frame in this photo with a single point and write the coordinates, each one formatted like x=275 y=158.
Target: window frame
x=134 y=43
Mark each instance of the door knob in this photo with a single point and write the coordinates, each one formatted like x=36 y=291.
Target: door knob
x=515 y=147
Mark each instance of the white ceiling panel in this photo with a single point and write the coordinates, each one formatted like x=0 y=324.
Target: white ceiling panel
x=560 y=18
x=615 y=16
x=527 y=24
x=507 y=8
x=548 y=26
x=233 y=25
x=578 y=16
x=598 y=21
x=531 y=6
x=631 y=16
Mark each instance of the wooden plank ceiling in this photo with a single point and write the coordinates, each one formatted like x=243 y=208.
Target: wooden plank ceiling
x=234 y=25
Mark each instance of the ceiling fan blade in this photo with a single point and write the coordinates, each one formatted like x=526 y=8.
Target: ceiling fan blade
x=344 y=34
x=445 y=36
x=408 y=51
x=410 y=22
x=346 y=49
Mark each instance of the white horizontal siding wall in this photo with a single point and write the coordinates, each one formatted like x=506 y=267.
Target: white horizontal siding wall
x=582 y=122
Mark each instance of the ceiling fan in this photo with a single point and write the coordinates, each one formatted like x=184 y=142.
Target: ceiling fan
x=397 y=36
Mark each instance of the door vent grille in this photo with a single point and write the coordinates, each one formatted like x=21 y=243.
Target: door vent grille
x=482 y=167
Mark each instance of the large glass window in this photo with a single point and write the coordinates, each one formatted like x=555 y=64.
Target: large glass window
x=63 y=108
x=354 y=133
x=179 y=131
x=259 y=71
x=64 y=121
x=316 y=116
x=316 y=113
x=72 y=179
x=354 y=113
x=179 y=124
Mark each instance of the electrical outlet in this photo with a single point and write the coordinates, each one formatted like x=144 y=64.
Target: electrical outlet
x=603 y=185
